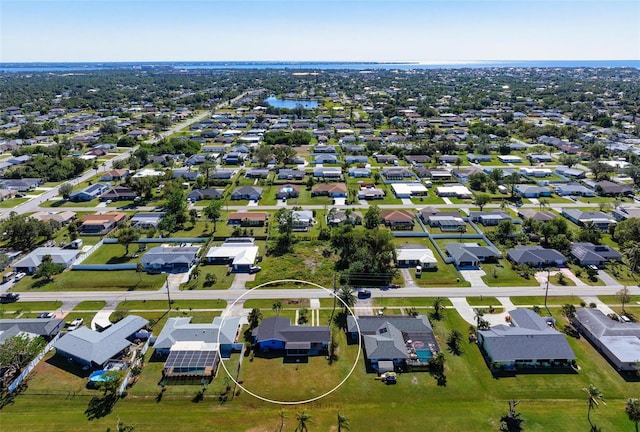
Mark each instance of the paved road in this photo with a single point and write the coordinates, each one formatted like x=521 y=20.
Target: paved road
x=232 y=295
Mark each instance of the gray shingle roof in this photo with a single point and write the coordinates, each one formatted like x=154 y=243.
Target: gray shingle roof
x=38 y=326
x=280 y=328
x=530 y=338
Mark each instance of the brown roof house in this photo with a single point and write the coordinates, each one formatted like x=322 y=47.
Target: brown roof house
x=398 y=219
x=100 y=224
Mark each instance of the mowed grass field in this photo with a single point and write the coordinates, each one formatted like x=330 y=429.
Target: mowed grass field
x=471 y=400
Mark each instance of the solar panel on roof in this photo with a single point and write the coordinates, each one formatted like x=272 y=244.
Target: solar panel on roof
x=190 y=359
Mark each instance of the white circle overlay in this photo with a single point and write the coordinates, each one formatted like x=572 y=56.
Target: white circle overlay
x=223 y=316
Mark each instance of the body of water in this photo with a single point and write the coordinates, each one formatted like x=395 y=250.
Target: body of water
x=291 y=103
x=306 y=66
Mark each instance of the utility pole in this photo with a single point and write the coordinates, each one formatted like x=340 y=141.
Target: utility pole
x=168 y=293
x=546 y=293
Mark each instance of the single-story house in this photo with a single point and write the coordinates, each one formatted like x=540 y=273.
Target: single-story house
x=321 y=148
x=528 y=341
x=181 y=329
x=332 y=173
x=539 y=157
x=90 y=192
x=609 y=188
x=359 y=172
x=462 y=174
x=45 y=328
x=192 y=359
x=470 y=255
x=21 y=185
x=618 y=341
x=336 y=217
x=257 y=173
x=572 y=189
x=119 y=193
x=536 y=172
x=587 y=254
x=94 y=349
x=397 y=174
x=288 y=191
x=335 y=190
x=146 y=220
x=240 y=253
x=450 y=221
x=622 y=213
x=433 y=174
x=369 y=191
x=398 y=219
x=31 y=262
x=448 y=159
x=114 y=175
x=489 y=218
x=412 y=255
x=579 y=217
x=63 y=217
x=403 y=340
x=408 y=190
x=290 y=174
x=251 y=193
x=247 y=219
x=572 y=173
x=325 y=159
x=302 y=220
x=477 y=158
x=386 y=159
x=417 y=159
x=536 y=215
x=531 y=191
x=205 y=194
x=363 y=159
x=174 y=259
x=100 y=224
x=277 y=334
x=509 y=159
x=454 y=190
x=221 y=174
x=535 y=256
x=186 y=174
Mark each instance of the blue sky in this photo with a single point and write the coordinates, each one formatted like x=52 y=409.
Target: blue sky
x=337 y=30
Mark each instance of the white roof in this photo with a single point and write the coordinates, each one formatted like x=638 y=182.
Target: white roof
x=195 y=346
x=408 y=188
x=457 y=189
x=148 y=173
x=418 y=254
x=240 y=253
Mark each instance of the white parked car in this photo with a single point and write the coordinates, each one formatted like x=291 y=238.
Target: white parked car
x=75 y=324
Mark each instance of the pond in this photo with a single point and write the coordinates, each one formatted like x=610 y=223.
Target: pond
x=291 y=103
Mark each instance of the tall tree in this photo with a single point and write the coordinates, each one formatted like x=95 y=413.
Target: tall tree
x=213 y=212
x=438 y=306
x=65 y=190
x=632 y=409
x=623 y=297
x=126 y=236
x=277 y=307
x=372 y=217
x=594 y=397
x=482 y=200
x=303 y=420
x=343 y=422
x=347 y=297
x=48 y=268
x=254 y=318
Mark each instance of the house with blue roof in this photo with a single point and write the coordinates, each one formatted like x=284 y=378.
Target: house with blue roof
x=89 y=193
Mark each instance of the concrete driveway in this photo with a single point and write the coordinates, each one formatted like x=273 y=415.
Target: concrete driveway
x=474 y=277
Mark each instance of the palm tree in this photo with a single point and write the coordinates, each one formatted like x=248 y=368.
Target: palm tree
x=438 y=306
x=543 y=203
x=347 y=297
x=277 y=307
x=343 y=423
x=303 y=418
x=594 y=397
x=454 y=340
x=633 y=410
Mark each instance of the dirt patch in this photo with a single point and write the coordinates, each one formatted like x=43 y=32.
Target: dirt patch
x=414 y=379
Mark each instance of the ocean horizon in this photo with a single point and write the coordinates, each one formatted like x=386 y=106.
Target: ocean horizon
x=310 y=65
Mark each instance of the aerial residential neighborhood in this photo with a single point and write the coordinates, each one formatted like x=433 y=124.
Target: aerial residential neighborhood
x=397 y=244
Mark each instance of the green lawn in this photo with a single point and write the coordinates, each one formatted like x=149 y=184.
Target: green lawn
x=483 y=301
x=120 y=280
x=502 y=274
x=539 y=300
x=614 y=300
x=113 y=254
x=25 y=307
x=12 y=202
x=223 y=280
x=408 y=301
x=152 y=305
x=305 y=263
x=90 y=305
x=268 y=303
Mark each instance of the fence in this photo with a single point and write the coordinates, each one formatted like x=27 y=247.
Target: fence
x=125 y=381
x=32 y=364
x=84 y=255
x=103 y=267
x=112 y=240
